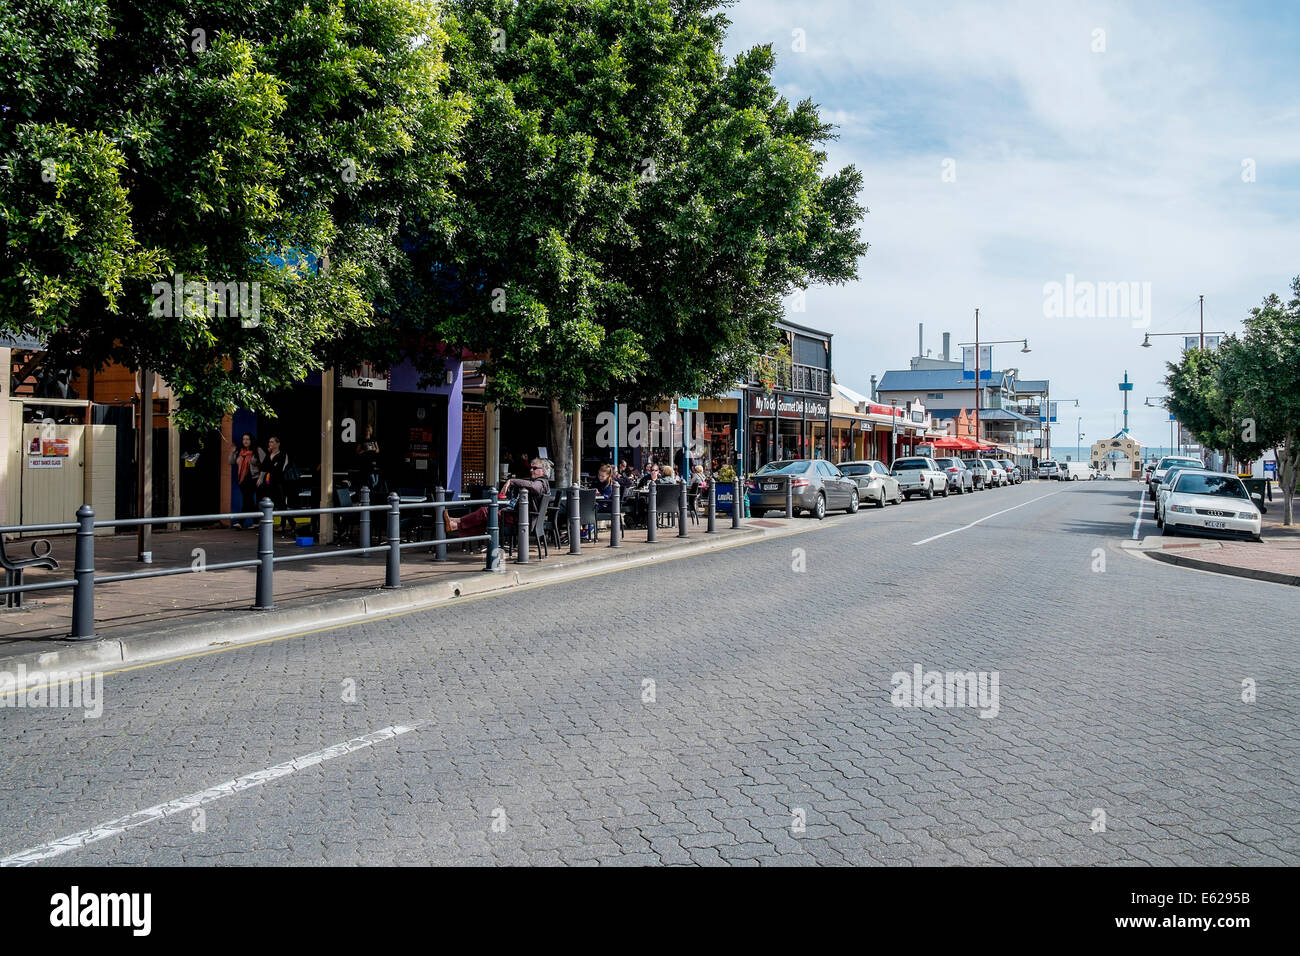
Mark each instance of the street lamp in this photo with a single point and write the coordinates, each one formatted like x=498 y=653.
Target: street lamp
x=1078 y=439
x=1163 y=400
x=1147 y=343
x=978 y=388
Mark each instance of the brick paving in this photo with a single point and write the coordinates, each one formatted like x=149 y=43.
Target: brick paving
x=119 y=606
x=1120 y=691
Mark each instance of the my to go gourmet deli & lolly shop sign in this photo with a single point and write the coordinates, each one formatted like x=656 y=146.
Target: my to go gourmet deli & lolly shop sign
x=787 y=406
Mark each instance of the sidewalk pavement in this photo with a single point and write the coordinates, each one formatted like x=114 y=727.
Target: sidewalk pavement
x=164 y=617
x=1276 y=560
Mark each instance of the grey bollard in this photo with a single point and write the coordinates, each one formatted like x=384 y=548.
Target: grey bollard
x=681 y=510
x=789 y=497
x=494 y=532
x=713 y=507
x=616 y=513
x=266 y=557
x=651 y=517
x=737 y=489
x=521 y=529
x=393 y=572
x=363 y=526
x=439 y=524
x=575 y=520
x=83 y=570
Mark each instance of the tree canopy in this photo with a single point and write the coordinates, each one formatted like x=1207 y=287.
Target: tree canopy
x=272 y=144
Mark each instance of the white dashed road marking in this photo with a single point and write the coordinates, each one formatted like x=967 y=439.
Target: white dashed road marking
x=945 y=534
x=112 y=828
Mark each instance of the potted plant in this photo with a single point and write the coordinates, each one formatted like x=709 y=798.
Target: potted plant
x=725 y=477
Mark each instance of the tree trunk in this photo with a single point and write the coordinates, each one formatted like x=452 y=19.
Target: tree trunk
x=561 y=444
x=1288 y=457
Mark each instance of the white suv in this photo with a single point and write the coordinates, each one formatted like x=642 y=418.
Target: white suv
x=1048 y=469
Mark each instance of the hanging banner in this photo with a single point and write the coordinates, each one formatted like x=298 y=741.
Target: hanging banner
x=968 y=361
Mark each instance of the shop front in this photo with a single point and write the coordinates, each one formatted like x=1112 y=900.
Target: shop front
x=785 y=425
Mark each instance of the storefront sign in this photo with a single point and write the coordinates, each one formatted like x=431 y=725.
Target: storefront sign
x=365 y=375
x=784 y=405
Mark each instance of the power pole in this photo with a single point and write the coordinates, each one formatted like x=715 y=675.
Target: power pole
x=1202 y=321
x=978 y=436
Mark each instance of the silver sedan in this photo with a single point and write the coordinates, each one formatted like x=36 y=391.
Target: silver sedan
x=875 y=483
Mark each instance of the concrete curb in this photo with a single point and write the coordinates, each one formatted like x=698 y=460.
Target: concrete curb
x=1275 y=577
x=232 y=628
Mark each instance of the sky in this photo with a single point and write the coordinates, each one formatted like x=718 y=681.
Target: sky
x=1007 y=146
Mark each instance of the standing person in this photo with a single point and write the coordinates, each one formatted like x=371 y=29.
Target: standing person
x=275 y=483
x=248 y=462
x=537 y=487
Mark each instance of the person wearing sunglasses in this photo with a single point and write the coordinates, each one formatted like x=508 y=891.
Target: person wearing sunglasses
x=537 y=487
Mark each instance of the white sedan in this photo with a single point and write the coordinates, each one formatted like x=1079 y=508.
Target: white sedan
x=1210 y=504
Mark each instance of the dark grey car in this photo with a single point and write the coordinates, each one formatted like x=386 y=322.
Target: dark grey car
x=817 y=487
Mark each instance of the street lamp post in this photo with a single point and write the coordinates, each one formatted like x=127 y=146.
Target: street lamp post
x=1078 y=439
x=979 y=391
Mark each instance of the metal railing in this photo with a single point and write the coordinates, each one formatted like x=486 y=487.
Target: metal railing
x=791 y=375
x=84 y=579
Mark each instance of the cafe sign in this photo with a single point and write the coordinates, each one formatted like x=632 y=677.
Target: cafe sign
x=784 y=405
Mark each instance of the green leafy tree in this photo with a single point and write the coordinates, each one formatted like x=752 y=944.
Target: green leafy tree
x=1194 y=399
x=631 y=211
x=1264 y=374
x=156 y=157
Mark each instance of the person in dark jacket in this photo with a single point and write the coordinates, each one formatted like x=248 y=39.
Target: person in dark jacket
x=537 y=487
x=275 y=485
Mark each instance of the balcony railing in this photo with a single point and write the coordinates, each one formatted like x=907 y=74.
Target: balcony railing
x=777 y=374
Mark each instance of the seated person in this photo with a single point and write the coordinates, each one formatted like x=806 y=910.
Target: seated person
x=651 y=474
x=475 y=523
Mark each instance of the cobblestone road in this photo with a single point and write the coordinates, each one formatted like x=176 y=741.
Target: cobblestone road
x=768 y=735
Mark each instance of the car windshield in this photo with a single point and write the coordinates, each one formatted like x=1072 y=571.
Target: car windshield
x=1221 y=486
x=1048 y=464
x=946 y=462
x=1166 y=463
x=784 y=468
x=910 y=463
x=856 y=469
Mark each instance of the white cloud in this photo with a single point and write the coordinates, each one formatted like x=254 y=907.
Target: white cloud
x=1114 y=166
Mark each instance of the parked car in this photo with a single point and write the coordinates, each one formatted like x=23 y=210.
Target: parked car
x=959 y=477
x=875 y=483
x=979 y=472
x=1073 y=470
x=1212 y=504
x=1162 y=495
x=920 y=476
x=997 y=474
x=1012 y=470
x=1048 y=469
x=1163 y=465
x=816 y=484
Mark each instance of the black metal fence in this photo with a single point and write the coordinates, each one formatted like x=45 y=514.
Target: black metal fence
x=84 y=579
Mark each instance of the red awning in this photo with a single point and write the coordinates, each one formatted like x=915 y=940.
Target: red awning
x=948 y=444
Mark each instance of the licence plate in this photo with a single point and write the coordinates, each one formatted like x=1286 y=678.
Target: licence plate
x=769 y=486
x=1216 y=524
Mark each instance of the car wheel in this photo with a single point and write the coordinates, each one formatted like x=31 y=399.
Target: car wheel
x=899 y=499
x=929 y=492
x=1259 y=539
x=819 y=508
x=853 y=504
x=880 y=502
x=1160 y=522
x=945 y=489
x=1169 y=530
